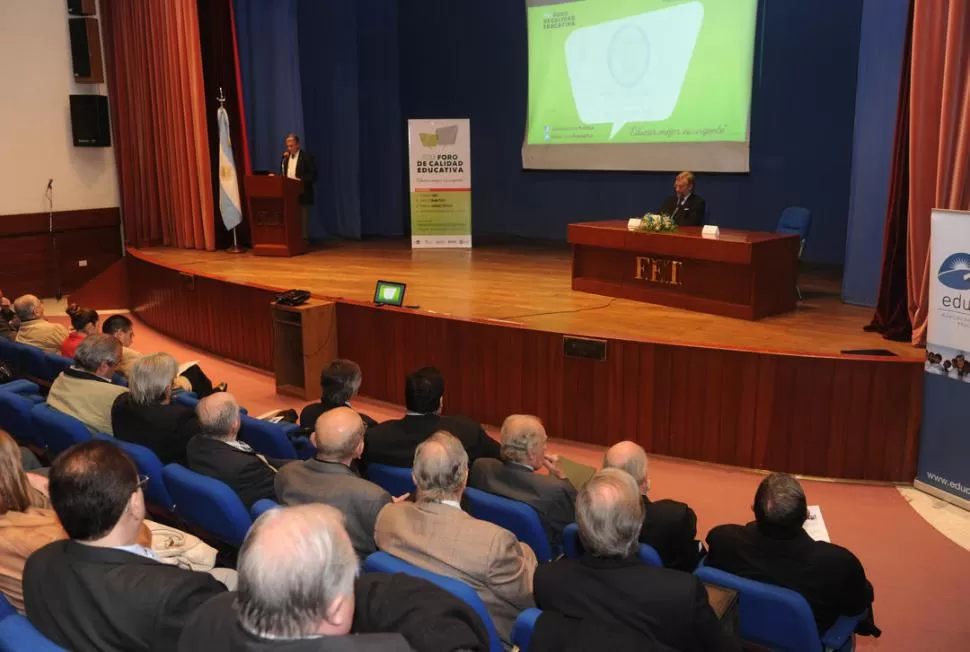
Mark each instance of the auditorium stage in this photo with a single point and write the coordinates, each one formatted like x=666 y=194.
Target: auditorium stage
x=772 y=394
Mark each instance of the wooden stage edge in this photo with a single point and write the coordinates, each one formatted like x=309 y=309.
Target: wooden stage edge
x=714 y=389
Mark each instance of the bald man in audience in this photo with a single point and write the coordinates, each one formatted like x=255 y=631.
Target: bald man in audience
x=514 y=476
x=34 y=329
x=435 y=534
x=328 y=477
x=217 y=452
x=613 y=597
x=668 y=525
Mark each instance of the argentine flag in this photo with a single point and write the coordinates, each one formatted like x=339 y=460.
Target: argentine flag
x=229 y=204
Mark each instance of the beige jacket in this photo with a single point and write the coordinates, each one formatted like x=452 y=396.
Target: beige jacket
x=44 y=335
x=86 y=397
x=445 y=540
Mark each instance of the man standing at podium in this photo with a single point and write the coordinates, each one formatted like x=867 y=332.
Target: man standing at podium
x=298 y=164
x=685 y=207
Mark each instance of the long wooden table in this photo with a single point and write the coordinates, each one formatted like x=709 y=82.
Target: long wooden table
x=742 y=274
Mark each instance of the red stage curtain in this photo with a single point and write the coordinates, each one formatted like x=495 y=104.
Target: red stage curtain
x=155 y=89
x=939 y=147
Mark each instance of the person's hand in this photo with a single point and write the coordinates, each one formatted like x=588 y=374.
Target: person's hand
x=401 y=498
x=40 y=483
x=4 y=301
x=551 y=464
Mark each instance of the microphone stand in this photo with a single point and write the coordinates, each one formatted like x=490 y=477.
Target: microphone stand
x=58 y=289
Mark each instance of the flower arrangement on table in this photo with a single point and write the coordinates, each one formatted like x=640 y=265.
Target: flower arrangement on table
x=657 y=223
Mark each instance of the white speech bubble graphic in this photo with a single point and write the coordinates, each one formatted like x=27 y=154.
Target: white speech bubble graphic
x=632 y=69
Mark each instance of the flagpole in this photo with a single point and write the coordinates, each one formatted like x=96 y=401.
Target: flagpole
x=235 y=248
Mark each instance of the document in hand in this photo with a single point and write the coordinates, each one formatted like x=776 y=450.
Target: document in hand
x=576 y=473
x=815 y=524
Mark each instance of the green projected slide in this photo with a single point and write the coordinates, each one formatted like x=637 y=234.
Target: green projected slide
x=639 y=71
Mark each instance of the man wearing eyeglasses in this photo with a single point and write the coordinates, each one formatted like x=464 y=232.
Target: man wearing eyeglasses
x=101 y=590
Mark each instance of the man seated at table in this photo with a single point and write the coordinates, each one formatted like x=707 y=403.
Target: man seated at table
x=685 y=206
x=610 y=587
x=776 y=549
x=34 y=329
x=669 y=526
x=85 y=391
x=514 y=476
x=394 y=442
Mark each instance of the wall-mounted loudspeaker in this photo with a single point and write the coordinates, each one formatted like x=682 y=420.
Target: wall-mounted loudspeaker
x=86 y=50
x=89 y=121
x=81 y=7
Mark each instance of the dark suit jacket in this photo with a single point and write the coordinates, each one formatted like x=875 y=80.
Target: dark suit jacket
x=691 y=213
x=670 y=607
x=671 y=527
x=830 y=577
x=306 y=171
x=87 y=598
x=245 y=473
x=214 y=628
x=165 y=429
x=393 y=442
x=557 y=633
x=552 y=498
x=332 y=483
x=8 y=324
x=312 y=412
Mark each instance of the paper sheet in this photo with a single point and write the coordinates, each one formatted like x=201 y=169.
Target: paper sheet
x=815 y=524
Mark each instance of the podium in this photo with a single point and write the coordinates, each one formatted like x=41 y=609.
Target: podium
x=305 y=341
x=274 y=215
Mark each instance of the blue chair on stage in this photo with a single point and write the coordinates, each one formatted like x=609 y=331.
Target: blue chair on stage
x=781 y=619
x=381 y=562
x=260 y=507
x=524 y=627
x=148 y=465
x=518 y=518
x=16 y=417
x=395 y=480
x=208 y=504
x=58 y=430
x=796 y=220
x=572 y=546
x=17 y=634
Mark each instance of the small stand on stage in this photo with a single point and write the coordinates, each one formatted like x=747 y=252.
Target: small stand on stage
x=274 y=215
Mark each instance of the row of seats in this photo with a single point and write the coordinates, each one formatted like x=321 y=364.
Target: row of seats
x=31 y=361
x=17 y=634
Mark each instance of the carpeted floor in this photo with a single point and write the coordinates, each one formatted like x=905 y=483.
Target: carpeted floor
x=921 y=578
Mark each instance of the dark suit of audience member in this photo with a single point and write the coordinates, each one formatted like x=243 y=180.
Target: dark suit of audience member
x=393 y=442
x=611 y=589
x=8 y=322
x=556 y=633
x=165 y=429
x=670 y=527
x=217 y=453
x=775 y=549
x=101 y=590
x=339 y=381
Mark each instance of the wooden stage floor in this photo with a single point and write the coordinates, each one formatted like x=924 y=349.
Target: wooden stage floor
x=530 y=284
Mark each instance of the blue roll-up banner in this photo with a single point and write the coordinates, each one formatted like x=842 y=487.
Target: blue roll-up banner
x=944 y=453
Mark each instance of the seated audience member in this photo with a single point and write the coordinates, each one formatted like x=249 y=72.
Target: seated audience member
x=122 y=329
x=85 y=391
x=328 y=477
x=610 y=587
x=26 y=521
x=435 y=534
x=668 y=525
x=84 y=321
x=217 y=453
x=514 y=476
x=101 y=590
x=394 y=442
x=340 y=381
x=9 y=323
x=297 y=591
x=34 y=329
x=146 y=415
x=776 y=549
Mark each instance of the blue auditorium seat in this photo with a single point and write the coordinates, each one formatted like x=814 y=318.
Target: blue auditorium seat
x=395 y=480
x=518 y=518
x=33 y=363
x=267 y=438
x=149 y=465
x=16 y=417
x=572 y=546
x=381 y=562
x=10 y=352
x=208 y=504
x=20 y=386
x=781 y=619
x=524 y=627
x=260 y=507
x=59 y=431
x=18 y=635
x=56 y=364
